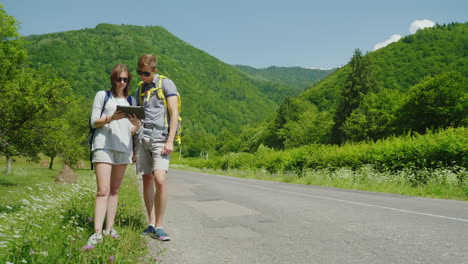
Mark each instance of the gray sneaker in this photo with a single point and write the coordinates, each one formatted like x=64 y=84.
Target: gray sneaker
x=148 y=231
x=94 y=239
x=161 y=235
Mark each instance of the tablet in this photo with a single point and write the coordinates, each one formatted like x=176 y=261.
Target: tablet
x=139 y=111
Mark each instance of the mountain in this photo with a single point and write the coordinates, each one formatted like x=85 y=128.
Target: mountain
x=215 y=95
x=297 y=78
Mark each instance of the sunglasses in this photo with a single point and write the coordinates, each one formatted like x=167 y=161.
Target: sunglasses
x=125 y=80
x=146 y=74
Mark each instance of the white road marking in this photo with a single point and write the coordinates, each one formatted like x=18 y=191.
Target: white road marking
x=351 y=202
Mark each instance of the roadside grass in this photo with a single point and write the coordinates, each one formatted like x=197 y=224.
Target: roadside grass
x=443 y=183
x=45 y=222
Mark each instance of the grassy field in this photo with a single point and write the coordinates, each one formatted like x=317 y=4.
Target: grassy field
x=46 y=222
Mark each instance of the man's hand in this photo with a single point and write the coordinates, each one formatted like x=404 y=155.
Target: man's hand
x=168 y=148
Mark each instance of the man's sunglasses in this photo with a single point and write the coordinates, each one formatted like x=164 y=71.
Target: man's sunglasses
x=146 y=74
x=125 y=80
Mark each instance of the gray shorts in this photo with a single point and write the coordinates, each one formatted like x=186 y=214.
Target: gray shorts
x=111 y=156
x=149 y=157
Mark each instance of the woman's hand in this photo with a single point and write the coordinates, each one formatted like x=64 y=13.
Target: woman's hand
x=117 y=115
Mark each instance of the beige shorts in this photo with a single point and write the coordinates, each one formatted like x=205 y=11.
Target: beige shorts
x=149 y=157
x=111 y=156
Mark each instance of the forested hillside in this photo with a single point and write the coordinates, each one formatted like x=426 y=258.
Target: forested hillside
x=215 y=95
x=415 y=84
x=297 y=78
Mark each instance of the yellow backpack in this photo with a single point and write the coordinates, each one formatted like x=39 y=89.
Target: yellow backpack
x=161 y=96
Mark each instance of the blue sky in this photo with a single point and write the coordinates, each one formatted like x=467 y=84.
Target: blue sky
x=258 y=33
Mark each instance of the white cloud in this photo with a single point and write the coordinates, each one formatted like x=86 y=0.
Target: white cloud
x=415 y=26
x=393 y=38
x=420 y=24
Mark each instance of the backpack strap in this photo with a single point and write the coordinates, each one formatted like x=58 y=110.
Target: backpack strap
x=138 y=94
x=158 y=89
x=106 y=98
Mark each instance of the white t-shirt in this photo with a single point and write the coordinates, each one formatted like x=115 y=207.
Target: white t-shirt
x=116 y=135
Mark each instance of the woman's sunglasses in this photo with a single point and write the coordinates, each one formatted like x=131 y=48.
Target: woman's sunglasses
x=125 y=80
x=146 y=74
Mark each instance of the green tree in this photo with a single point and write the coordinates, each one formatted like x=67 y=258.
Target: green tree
x=12 y=53
x=358 y=83
x=26 y=103
x=289 y=111
x=375 y=117
x=436 y=102
x=12 y=57
x=67 y=133
x=312 y=127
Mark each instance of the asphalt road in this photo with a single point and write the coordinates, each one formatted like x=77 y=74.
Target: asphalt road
x=216 y=219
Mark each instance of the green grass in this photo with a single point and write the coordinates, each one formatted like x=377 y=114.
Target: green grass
x=443 y=183
x=45 y=222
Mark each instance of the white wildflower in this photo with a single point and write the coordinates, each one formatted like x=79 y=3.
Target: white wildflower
x=36 y=199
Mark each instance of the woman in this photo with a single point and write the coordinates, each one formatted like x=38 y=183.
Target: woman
x=112 y=149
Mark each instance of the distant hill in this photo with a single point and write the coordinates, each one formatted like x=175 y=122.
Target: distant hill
x=215 y=95
x=297 y=77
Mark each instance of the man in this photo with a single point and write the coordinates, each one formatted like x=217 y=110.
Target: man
x=155 y=141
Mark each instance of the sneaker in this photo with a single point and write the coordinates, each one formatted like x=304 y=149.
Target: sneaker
x=161 y=235
x=94 y=239
x=112 y=233
x=148 y=231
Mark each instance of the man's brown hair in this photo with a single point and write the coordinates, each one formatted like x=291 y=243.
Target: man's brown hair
x=147 y=60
